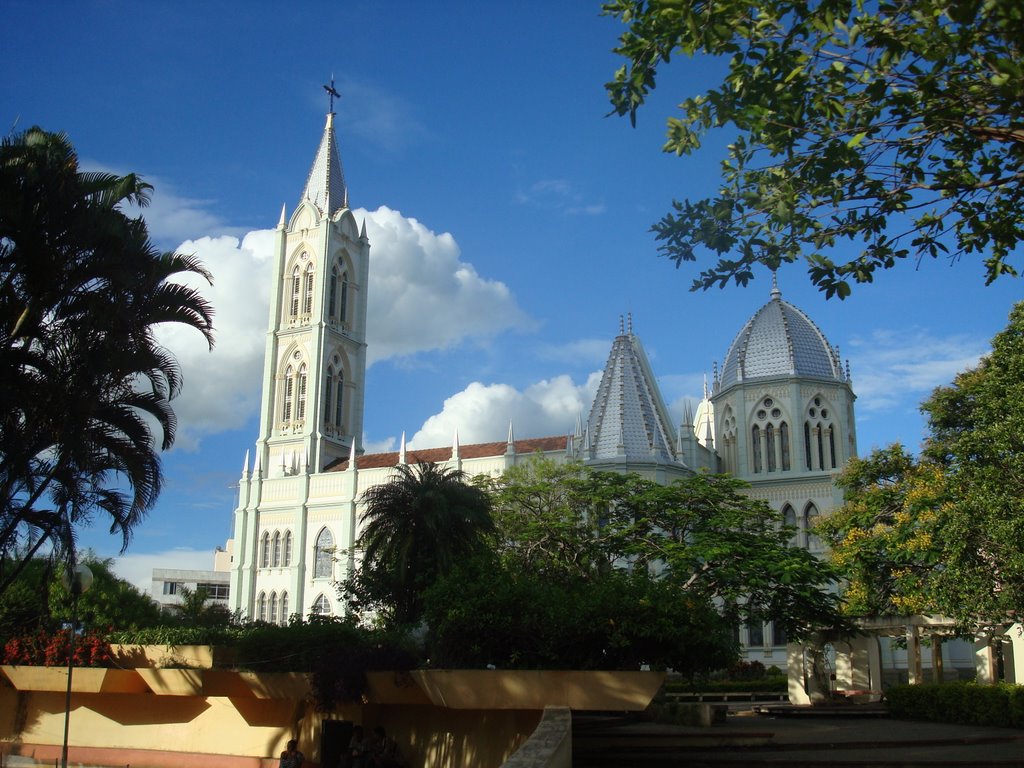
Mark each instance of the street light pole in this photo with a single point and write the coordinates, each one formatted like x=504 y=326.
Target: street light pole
x=77 y=582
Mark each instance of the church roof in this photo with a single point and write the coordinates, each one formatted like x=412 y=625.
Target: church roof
x=780 y=340
x=325 y=187
x=629 y=420
x=440 y=455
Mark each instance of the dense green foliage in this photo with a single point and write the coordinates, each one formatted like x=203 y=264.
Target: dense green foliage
x=944 y=533
x=87 y=388
x=484 y=613
x=1000 y=705
x=893 y=128
x=37 y=600
x=415 y=528
x=701 y=535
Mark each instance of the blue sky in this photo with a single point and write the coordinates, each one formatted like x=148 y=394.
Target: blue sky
x=508 y=216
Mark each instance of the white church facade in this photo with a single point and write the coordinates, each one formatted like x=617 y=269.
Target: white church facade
x=779 y=415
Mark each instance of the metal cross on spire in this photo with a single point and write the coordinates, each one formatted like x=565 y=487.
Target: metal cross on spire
x=333 y=93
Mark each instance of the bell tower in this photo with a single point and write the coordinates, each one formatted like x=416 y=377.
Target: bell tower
x=315 y=364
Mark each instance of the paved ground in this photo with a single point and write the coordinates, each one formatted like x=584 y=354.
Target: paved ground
x=792 y=741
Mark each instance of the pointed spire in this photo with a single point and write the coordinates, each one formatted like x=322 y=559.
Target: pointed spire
x=257 y=465
x=352 y=456
x=568 y=445
x=622 y=328
x=325 y=186
x=705 y=385
x=362 y=229
x=510 y=445
x=245 y=466
x=401 y=451
x=455 y=446
x=629 y=326
x=281 y=221
x=579 y=424
x=776 y=293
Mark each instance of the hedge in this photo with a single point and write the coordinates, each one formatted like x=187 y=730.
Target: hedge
x=1000 y=705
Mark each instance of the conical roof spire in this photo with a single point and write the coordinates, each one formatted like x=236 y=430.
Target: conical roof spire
x=325 y=187
x=629 y=417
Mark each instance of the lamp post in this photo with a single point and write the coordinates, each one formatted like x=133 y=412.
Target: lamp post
x=77 y=582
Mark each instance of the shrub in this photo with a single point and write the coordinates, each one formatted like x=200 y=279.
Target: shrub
x=999 y=705
x=50 y=649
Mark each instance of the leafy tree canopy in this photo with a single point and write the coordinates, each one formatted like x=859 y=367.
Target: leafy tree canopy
x=37 y=599
x=944 y=533
x=895 y=127
x=703 y=535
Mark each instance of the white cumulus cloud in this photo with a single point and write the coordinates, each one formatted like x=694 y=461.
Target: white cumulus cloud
x=481 y=412
x=422 y=297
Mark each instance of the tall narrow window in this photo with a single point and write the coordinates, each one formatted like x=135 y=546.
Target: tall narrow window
x=273 y=608
x=300 y=399
x=328 y=395
x=820 y=438
x=339 y=403
x=261 y=607
x=284 y=608
x=265 y=551
x=778 y=634
x=307 y=301
x=296 y=292
x=832 y=445
x=789 y=520
x=275 y=559
x=332 y=295
x=769 y=447
x=323 y=555
x=287 y=554
x=755 y=630
x=807 y=443
x=343 y=312
x=813 y=542
x=755 y=442
x=784 y=440
x=289 y=393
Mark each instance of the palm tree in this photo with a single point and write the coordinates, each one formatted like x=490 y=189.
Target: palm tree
x=415 y=528
x=86 y=385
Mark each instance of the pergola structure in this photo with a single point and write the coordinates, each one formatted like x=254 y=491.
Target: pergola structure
x=857 y=670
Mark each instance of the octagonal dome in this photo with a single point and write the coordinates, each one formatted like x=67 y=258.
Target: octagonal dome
x=779 y=341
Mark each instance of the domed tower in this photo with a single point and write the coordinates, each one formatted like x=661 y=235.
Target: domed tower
x=783 y=413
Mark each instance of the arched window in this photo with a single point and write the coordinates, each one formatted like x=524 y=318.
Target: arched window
x=343 y=311
x=323 y=555
x=332 y=295
x=287 y=554
x=289 y=394
x=789 y=520
x=832 y=445
x=300 y=399
x=296 y=291
x=284 y=607
x=265 y=550
x=755 y=442
x=321 y=606
x=275 y=558
x=307 y=301
x=769 y=447
x=273 y=608
x=811 y=515
x=339 y=403
x=261 y=607
x=328 y=395
x=807 y=444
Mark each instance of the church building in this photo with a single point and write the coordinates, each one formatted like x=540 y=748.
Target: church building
x=779 y=415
